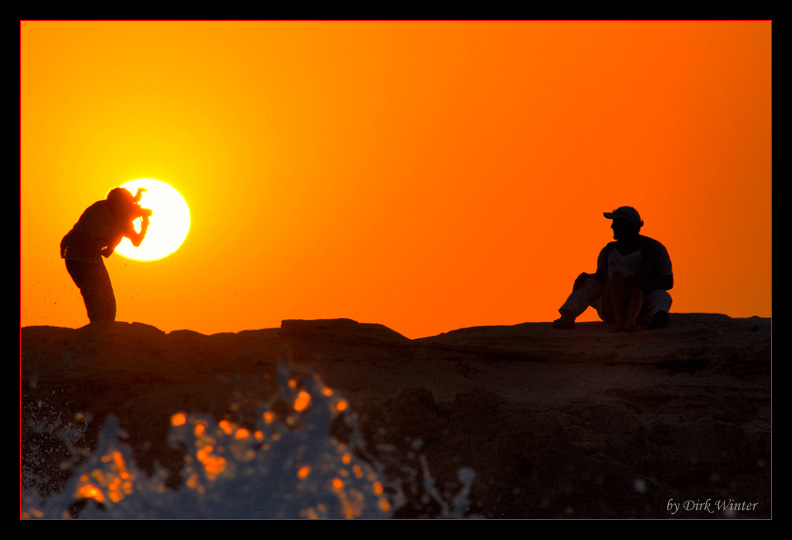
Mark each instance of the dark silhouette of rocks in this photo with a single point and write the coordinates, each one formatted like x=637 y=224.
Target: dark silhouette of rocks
x=585 y=423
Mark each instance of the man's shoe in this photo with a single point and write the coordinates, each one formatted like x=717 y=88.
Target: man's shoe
x=565 y=322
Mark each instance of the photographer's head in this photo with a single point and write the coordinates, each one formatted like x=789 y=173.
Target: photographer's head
x=120 y=201
x=123 y=205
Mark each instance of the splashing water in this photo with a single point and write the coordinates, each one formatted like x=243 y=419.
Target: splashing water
x=288 y=466
x=284 y=468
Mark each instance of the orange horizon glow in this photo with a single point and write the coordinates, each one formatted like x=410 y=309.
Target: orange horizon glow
x=426 y=176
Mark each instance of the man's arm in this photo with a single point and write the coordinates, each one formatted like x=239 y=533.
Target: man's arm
x=137 y=237
x=112 y=243
x=656 y=271
x=129 y=231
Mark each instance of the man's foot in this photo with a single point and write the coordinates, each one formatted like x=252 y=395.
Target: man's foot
x=565 y=322
x=659 y=320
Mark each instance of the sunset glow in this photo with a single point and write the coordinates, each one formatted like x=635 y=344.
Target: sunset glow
x=427 y=176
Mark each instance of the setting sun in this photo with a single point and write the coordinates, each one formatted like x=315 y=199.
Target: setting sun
x=170 y=221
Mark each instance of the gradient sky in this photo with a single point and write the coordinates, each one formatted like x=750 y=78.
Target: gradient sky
x=427 y=176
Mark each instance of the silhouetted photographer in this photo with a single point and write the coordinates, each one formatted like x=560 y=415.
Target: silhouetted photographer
x=631 y=284
x=96 y=234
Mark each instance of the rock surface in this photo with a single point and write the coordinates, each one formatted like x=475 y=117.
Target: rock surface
x=583 y=423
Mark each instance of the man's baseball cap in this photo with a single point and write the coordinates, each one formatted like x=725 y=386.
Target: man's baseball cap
x=625 y=212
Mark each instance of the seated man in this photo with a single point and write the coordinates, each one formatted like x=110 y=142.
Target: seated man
x=631 y=284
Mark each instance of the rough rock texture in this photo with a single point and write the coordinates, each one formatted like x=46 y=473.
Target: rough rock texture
x=583 y=423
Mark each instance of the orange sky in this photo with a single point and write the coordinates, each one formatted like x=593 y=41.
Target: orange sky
x=427 y=176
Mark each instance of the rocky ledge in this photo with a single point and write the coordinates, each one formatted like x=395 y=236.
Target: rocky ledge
x=582 y=423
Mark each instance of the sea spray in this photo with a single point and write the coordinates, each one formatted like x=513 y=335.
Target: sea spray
x=287 y=465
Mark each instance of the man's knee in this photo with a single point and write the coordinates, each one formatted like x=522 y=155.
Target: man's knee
x=585 y=280
x=579 y=281
x=658 y=300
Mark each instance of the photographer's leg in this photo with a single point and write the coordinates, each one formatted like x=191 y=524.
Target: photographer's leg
x=106 y=294
x=94 y=283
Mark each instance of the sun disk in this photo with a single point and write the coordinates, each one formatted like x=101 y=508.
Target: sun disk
x=170 y=221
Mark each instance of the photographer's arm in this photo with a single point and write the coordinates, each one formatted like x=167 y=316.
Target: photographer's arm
x=129 y=231
x=112 y=242
x=137 y=237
